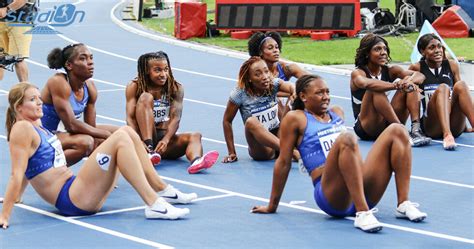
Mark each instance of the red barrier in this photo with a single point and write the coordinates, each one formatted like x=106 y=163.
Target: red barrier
x=190 y=20
x=451 y=23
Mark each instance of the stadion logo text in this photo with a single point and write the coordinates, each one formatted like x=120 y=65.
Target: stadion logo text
x=44 y=22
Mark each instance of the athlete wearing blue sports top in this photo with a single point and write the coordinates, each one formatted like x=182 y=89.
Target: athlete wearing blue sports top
x=37 y=158
x=446 y=99
x=344 y=185
x=268 y=46
x=69 y=102
x=256 y=98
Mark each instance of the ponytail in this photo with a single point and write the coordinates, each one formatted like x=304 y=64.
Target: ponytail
x=298 y=104
x=15 y=98
x=11 y=119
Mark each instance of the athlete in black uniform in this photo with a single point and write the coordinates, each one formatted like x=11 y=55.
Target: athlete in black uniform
x=446 y=99
x=369 y=83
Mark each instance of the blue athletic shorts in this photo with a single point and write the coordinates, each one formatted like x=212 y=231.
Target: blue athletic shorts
x=64 y=203
x=324 y=205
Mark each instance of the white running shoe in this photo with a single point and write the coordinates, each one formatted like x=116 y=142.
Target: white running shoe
x=366 y=221
x=173 y=195
x=163 y=210
x=205 y=162
x=409 y=210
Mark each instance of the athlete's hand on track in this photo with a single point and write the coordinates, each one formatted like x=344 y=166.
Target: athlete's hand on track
x=261 y=210
x=230 y=158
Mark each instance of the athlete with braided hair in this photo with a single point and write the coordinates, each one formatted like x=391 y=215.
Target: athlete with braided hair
x=154 y=107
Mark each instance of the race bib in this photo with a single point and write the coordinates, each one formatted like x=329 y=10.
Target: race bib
x=59 y=157
x=328 y=136
x=428 y=92
x=161 y=111
x=267 y=115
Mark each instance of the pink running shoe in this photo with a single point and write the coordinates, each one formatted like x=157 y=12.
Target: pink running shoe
x=155 y=158
x=205 y=162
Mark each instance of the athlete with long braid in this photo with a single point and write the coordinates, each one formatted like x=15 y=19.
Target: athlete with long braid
x=154 y=107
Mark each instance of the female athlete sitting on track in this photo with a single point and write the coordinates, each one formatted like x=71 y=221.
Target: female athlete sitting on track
x=446 y=99
x=268 y=46
x=255 y=97
x=37 y=157
x=69 y=102
x=369 y=83
x=154 y=107
x=344 y=185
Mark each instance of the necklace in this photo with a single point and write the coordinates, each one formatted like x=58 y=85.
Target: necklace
x=318 y=117
x=378 y=76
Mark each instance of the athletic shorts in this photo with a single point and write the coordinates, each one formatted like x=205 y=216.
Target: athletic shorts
x=64 y=203
x=360 y=132
x=324 y=205
x=14 y=41
x=157 y=136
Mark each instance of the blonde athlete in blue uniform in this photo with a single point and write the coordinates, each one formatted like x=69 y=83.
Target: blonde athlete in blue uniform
x=344 y=185
x=37 y=157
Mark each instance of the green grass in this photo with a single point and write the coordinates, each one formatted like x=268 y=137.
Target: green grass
x=335 y=51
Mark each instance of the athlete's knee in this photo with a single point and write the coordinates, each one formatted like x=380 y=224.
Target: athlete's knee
x=86 y=144
x=129 y=130
x=347 y=140
x=122 y=137
x=398 y=131
x=460 y=86
x=195 y=136
x=443 y=88
x=145 y=100
x=252 y=123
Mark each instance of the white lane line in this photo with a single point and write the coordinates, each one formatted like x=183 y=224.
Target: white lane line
x=96 y=228
x=123 y=210
x=110 y=90
x=396 y=227
x=443 y=182
x=213 y=197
